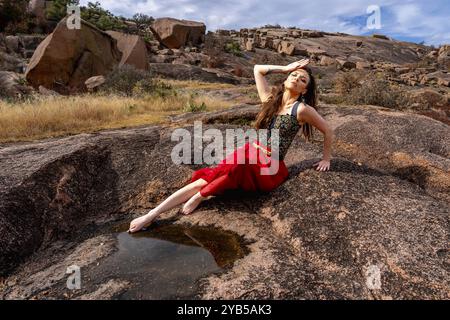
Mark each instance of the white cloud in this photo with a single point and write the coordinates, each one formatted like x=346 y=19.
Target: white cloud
x=432 y=23
x=407 y=14
x=418 y=19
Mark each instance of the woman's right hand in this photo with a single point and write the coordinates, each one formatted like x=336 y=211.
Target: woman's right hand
x=296 y=65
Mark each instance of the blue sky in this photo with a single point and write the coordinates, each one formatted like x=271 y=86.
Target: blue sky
x=408 y=20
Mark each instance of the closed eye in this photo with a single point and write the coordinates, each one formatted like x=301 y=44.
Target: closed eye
x=301 y=78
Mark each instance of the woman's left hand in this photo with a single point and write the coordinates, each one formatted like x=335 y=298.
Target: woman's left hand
x=322 y=165
x=296 y=65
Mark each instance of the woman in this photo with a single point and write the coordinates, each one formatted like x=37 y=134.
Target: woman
x=292 y=107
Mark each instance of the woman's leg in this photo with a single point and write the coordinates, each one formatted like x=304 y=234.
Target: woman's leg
x=192 y=203
x=172 y=201
x=217 y=186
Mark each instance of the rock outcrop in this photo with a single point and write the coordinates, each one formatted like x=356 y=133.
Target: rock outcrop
x=374 y=227
x=22 y=45
x=444 y=56
x=37 y=8
x=68 y=57
x=11 y=85
x=403 y=65
x=438 y=77
x=316 y=44
x=134 y=51
x=42 y=23
x=93 y=83
x=11 y=63
x=175 y=33
x=181 y=71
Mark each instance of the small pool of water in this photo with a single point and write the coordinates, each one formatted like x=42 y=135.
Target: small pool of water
x=166 y=260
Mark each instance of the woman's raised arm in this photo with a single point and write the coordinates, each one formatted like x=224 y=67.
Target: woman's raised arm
x=260 y=70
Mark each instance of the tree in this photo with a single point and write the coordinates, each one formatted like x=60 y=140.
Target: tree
x=142 y=19
x=12 y=12
x=57 y=9
x=143 y=22
x=101 y=18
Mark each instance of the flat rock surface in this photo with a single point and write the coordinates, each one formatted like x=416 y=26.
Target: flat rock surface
x=374 y=227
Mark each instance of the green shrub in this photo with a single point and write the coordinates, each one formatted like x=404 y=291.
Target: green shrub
x=272 y=26
x=354 y=88
x=233 y=48
x=14 y=17
x=92 y=13
x=162 y=89
x=148 y=37
x=123 y=80
x=345 y=82
x=129 y=81
x=143 y=87
x=378 y=92
x=253 y=95
x=57 y=9
x=142 y=19
x=143 y=22
x=191 y=106
x=101 y=18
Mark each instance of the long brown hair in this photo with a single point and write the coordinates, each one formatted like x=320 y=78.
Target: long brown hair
x=270 y=107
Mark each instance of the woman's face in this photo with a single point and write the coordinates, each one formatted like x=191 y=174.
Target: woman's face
x=297 y=81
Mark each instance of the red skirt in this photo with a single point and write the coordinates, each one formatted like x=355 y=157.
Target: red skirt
x=247 y=168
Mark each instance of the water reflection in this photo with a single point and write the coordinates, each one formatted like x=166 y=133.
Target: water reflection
x=165 y=261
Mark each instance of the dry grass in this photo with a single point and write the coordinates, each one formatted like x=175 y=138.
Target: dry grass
x=194 y=84
x=45 y=117
x=366 y=89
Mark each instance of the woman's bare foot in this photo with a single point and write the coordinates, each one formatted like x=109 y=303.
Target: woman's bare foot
x=141 y=222
x=192 y=203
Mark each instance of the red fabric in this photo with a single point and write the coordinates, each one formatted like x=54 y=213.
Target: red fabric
x=246 y=176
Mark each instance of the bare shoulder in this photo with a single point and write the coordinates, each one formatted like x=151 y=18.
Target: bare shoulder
x=302 y=112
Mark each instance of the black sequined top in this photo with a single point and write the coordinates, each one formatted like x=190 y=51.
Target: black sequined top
x=288 y=127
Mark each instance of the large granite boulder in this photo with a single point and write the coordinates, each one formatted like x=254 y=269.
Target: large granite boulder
x=374 y=227
x=438 y=77
x=133 y=48
x=444 y=56
x=68 y=57
x=175 y=33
